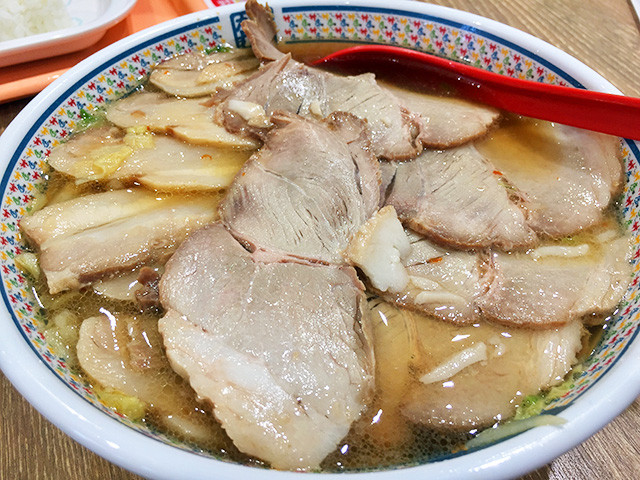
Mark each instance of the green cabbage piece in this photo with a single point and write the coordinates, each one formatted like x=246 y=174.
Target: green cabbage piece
x=535 y=404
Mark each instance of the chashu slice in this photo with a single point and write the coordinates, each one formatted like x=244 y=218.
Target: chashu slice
x=307 y=191
x=554 y=284
x=91 y=237
x=444 y=283
x=518 y=185
x=548 y=286
x=124 y=353
x=260 y=29
x=159 y=162
x=281 y=350
x=470 y=377
x=196 y=74
x=448 y=121
x=456 y=197
x=285 y=84
x=186 y=118
x=293 y=87
x=567 y=175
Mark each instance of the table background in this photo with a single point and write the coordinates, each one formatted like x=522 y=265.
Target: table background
x=605 y=35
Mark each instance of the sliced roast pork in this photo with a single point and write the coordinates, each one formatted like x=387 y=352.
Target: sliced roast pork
x=124 y=353
x=287 y=85
x=261 y=31
x=469 y=377
x=79 y=157
x=293 y=87
x=195 y=74
x=444 y=283
x=88 y=238
x=520 y=184
x=550 y=285
x=456 y=197
x=554 y=284
x=281 y=349
x=448 y=121
x=160 y=162
x=387 y=177
x=186 y=118
x=567 y=175
x=307 y=191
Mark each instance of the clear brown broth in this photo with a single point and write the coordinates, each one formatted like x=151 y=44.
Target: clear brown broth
x=380 y=439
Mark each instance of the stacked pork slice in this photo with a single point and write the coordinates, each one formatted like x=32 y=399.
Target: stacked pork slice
x=124 y=194
x=277 y=192
x=268 y=321
x=514 y=239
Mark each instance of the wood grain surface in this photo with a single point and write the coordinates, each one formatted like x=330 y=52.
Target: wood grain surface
x=603 y=34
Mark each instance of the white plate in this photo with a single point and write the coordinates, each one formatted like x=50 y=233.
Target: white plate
x=91 y=20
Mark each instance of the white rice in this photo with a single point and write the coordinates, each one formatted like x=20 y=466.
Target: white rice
x=21 y=18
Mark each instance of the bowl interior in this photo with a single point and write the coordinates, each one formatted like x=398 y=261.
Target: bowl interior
x=121 y=68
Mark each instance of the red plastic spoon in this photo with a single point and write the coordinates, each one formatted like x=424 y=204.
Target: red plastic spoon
x=600 y=112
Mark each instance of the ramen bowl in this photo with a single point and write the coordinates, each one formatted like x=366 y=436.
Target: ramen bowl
x=608 y=382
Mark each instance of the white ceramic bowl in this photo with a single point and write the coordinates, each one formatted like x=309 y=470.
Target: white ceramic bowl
x=611 y=379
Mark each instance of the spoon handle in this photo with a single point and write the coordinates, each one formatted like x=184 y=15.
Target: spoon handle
x=601 y=112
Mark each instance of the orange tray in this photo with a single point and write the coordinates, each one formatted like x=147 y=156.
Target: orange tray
x=25 y=79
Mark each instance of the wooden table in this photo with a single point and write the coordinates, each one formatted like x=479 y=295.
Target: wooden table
x=603 y=34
